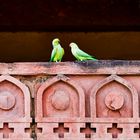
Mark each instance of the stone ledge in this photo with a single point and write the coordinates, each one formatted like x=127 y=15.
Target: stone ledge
x=102 y=67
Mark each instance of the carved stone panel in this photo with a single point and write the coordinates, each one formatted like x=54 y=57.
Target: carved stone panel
x=60 y=97
x=114 y=97
x=14 y=109
x=93 y=101
x=58 y=100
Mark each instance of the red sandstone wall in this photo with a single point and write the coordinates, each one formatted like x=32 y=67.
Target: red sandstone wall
x=70 y=101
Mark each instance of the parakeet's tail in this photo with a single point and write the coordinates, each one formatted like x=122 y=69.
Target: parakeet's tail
x=50 y=60
x=94 y=58
x=90 y=58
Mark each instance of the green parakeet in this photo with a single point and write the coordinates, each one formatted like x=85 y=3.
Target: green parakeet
x=57 y=52
x=79 y=54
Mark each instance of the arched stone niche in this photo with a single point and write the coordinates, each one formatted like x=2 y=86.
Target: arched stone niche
x=60 y=97
x=114 y=97
x=14 y=99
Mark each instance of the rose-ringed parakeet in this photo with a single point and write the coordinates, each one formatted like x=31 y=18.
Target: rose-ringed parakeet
x=57 y=52
x=79 y=54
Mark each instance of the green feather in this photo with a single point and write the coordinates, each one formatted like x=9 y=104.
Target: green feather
x=57 y=52
x=53 y=54
x=79 y=54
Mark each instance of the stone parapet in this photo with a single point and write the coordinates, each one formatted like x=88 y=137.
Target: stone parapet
x=91 y=100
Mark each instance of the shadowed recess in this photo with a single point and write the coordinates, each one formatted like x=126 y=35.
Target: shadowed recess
x=68 y=15
x=37 y=46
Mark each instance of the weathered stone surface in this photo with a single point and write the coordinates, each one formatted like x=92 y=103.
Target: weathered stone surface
x=14 y=109
x=75 y=100
x=50 y=104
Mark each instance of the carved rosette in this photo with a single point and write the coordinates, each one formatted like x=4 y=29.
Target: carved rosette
x=7 y=100
x=114 y=100
x=114 y=97
x=60 y=100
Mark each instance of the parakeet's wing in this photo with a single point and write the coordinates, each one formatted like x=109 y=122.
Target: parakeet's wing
x=63 y=52
x=54 y=51
x=82 y=53
x=60 y=53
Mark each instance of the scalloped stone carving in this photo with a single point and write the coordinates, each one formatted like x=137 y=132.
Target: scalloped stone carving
x=15 y=98
x=60 y=97
x=14 y=109
x=114 y=97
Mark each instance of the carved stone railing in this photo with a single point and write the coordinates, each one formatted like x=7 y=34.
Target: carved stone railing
x=92 y=100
